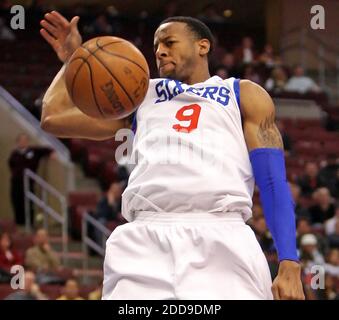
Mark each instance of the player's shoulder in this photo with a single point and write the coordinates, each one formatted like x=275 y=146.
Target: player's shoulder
x=254 y=99
x=250 y=87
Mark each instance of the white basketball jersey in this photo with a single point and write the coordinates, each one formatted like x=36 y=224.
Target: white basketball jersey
x=190 y=151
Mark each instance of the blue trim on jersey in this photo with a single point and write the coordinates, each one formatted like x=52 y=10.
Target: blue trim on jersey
x=236 y=88
x=134 y=123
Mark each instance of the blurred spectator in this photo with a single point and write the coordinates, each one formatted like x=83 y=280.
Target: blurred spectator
x=267 y=56
x=303 y=227
x=333 y=239
x=299 y=210
x=227 y=61
x=332 y=262
x=285 y=137
x=96 y=294
x=330 y=291
x=8 y=257
x=310 y=181
x=109 y=207
x=277 y=81
x=100 y=26
x=24 y=157
x=330 y=224
x=42 y=259
x=324 y=208
x=263 y=235
x=217 y=53
x=301 y=83
x=329 y=175
x=31 y=290
x=221 y=72
x=309 y=252
x=245 y=53
x=70 y=291
x=251 y=74
x=210 y=14
x=5 y=32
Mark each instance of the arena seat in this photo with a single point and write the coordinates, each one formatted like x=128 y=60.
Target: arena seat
x=111 y=225
x=83 y=198
x=78 y=204
x=94 y=157
x=7 y=225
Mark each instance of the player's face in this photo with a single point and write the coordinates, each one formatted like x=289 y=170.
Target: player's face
x=176 y=51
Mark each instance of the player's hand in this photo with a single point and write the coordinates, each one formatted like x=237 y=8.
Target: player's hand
x=61 y=34
x=287 y=285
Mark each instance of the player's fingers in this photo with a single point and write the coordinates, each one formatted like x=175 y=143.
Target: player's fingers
x=49 y=27
x=74 y=23
x=52 y=20
x=275 y=293
x=55 y=20
x=61 y=19
x=51 y=40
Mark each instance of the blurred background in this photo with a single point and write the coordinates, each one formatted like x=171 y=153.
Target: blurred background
x=60 y=199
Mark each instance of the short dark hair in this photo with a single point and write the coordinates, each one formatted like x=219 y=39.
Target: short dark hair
x=197 y=27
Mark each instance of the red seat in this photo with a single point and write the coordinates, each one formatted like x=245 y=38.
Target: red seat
x=111 y=225
x=7 y=225
x=82 y=198
x=76 y=217
x=79 y=203
x=22 y=242
x=95 y=157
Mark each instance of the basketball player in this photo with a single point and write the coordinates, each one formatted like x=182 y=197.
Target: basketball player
x=187 y=237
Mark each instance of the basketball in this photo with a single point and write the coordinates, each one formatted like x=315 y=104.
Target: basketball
x=107 y=77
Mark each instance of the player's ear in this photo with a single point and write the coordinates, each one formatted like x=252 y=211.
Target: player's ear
x=204 y=47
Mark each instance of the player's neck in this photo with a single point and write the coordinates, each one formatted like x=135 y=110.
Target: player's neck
x=198 y=75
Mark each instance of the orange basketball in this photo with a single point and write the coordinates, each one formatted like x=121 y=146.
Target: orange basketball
x=107 y=77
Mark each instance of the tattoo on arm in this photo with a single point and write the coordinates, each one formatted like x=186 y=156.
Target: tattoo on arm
x=268 y=134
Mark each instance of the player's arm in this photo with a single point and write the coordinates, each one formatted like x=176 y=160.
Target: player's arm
x=267 y=158
x=63 y=119
x=59 y=115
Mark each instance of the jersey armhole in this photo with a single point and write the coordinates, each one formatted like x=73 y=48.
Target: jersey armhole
x=134 y=123
x=236 y=89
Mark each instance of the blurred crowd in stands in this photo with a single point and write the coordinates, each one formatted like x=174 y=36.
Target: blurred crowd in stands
x=315 y=188
x=44 y=277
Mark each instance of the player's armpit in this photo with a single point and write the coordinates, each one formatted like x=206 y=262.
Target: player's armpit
x=258 y=113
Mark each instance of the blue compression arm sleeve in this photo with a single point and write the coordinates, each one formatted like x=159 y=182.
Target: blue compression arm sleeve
x=270 y=175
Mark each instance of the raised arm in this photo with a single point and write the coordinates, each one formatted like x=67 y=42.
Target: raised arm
x=59 y=115
x=267 y=158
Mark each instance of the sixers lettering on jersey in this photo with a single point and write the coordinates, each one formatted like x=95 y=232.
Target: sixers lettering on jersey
x=168 y=89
